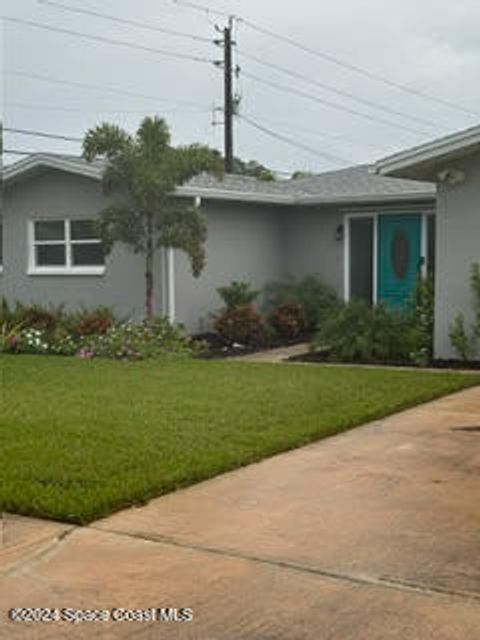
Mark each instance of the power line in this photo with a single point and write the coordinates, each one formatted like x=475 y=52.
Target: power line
x=339 y=92
x=96 y=87
x=271 y=65
x=203 y=8
x=290 y=141
x=40 y=107
x=360 y=70
x=135 y=23
x=41 y=134
x=332 y=105
x=121 y=43
x=335 y=60
x=327 y=136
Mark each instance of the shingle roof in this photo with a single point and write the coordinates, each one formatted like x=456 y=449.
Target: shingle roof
x=353 y=184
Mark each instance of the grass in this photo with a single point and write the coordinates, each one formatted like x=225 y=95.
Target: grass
x=80 y=439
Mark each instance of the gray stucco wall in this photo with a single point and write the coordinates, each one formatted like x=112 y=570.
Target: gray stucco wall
x=244 y=243
x=458 y=247
x=310 y=246
x=55 y=194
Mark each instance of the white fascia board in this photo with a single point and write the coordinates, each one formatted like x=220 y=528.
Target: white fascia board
x=32 y=163
x=369 y=199
x=437 y=149
x=214 y=194
x=238 y=196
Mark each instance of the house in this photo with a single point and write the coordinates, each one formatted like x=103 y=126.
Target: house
x=339 y=224
x=453 y=162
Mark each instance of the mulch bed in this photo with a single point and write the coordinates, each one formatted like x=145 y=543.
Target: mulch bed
x=323 y=357
x=217 y=347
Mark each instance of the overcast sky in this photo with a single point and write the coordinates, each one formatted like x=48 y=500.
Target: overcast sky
x=432 y=46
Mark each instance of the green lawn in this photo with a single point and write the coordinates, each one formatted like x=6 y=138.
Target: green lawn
x=80 y=439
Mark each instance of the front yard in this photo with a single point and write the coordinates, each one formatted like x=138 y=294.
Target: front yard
x=80 y=439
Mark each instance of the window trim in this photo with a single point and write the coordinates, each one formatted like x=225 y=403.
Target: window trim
x=68 y=269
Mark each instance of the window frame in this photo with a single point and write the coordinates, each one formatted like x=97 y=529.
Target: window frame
x=69 y=269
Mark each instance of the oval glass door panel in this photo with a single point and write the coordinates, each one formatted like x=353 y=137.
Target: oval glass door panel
x=400 y=254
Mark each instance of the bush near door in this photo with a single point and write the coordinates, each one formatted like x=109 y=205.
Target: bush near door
x=311 y=294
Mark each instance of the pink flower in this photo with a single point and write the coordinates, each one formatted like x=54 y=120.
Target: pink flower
x=12 y=341
x=85 y=354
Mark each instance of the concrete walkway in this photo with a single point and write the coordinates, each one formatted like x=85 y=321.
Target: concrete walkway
x=370 y=535
x=276 y=355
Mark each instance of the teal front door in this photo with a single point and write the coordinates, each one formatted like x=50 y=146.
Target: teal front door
x=399 y=258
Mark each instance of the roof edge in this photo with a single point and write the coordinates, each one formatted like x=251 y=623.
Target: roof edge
x=15 y=171
x=412 y=196
x=428 y=152
x=239 y=196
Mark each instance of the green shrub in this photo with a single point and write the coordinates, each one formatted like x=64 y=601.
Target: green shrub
x=423 y=300
x=288 y=321
x=237 y=294
x=359 y=332
x=149 y=339
x=242 y=325
x=88 y=333
x=34 y=316
x=9 y=335
x=465 y=343
x=314 y=297
x=459 y=338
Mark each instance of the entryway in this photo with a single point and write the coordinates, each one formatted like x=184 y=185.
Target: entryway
x=400 y=259
x=384 y=255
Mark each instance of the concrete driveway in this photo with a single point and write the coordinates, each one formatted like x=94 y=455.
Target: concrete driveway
x=370 y=535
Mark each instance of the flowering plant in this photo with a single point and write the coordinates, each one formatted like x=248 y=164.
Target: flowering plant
x=149 y=339
x=9 y=337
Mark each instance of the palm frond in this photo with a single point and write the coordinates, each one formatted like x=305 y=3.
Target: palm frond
x=106 y=140
x=119 y=223
x=184 y=227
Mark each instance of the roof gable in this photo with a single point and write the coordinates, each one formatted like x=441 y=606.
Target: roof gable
x=421 y=162
x=41 y=161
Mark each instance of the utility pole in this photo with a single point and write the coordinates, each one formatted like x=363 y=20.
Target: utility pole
x=230 y=99
x=229 y=108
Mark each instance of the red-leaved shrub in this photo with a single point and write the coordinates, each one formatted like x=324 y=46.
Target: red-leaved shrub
x=288 y=321
x=242 y=325
x=95 y=322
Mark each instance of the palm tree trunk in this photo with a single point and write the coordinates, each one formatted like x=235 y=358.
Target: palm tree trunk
x=149 y=271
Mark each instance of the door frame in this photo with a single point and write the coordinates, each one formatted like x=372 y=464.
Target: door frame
x=347 y=217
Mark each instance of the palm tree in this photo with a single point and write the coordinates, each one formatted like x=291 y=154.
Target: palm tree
x=148 y=169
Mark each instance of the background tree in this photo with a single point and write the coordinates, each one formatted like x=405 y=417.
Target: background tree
x=148 y=169
x=302 y=174
x=253 y=169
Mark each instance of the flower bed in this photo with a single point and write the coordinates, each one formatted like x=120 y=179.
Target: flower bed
x=89 y=334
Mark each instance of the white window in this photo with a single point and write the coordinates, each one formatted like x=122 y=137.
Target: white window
x=64 y=247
